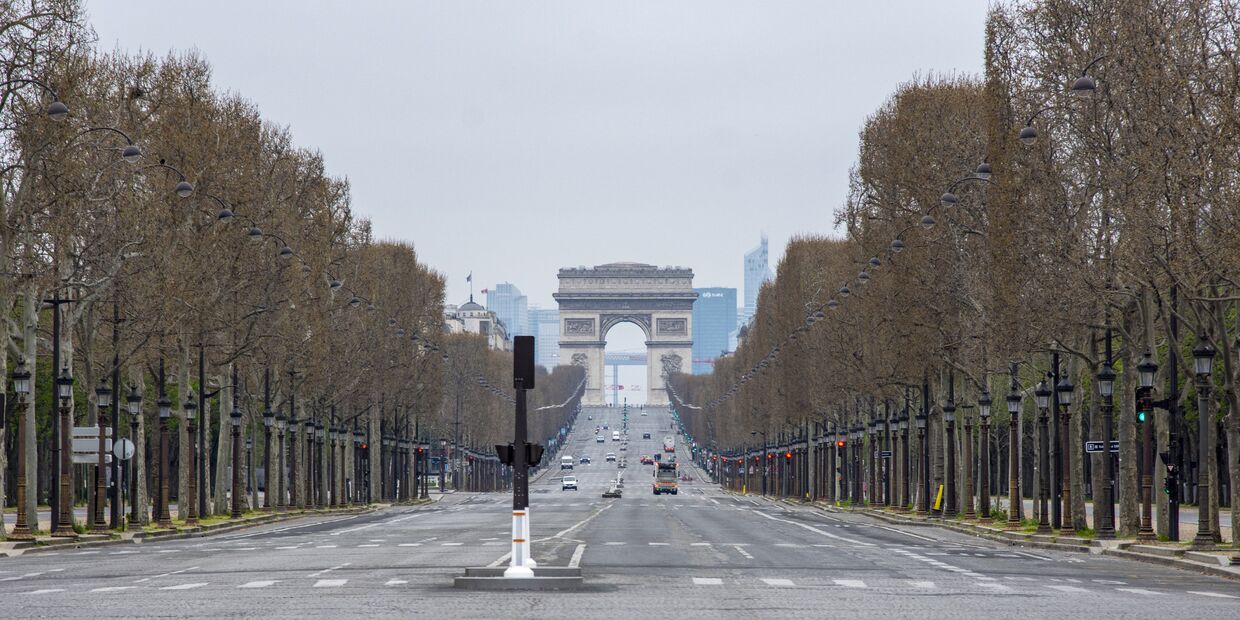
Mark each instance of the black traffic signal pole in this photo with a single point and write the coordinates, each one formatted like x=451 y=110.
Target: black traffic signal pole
x=520 y=465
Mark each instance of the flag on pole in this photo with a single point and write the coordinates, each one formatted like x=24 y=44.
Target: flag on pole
x=470 y=277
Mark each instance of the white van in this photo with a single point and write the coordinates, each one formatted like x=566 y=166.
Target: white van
x=566 y=462
x=615 y=435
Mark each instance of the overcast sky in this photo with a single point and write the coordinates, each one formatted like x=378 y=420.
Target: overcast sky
x=514 y=138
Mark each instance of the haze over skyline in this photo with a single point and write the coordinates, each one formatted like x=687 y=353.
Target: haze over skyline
x=514 y=139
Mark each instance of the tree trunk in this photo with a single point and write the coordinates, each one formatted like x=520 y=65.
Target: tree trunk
x=223 y=455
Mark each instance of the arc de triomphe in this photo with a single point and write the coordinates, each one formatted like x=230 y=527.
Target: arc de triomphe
x=657 y=299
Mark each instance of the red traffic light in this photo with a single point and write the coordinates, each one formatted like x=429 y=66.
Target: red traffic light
x=839 y=444
x=364 y=447
x=788 y=455
x=770 y=456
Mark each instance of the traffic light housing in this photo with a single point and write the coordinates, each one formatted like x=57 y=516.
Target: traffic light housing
x=840 y=443
x=1141 y=415
x=788 y=456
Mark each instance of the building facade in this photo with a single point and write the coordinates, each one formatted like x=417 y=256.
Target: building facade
x=472 y=318
x=757 y=273
x=545 y=327
x=714 y=326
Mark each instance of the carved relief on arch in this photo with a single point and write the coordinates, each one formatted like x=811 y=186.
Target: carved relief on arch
x=580 y=359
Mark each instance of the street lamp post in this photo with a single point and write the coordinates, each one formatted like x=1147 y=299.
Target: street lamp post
x=1203 y=365
x=308 y=426
x=164 y=519
x=279 y=485
x=235 y=418
x=983 y=472
x=970 y=512
x=1014 y=498
x=1146 y=370
x=443 y=455
x=251 y=481
x=905 y=470
x=1104 y=514
x=21 y=385
x=190 y=502
x=320 y=468
x=949 y=419
x=134 y=400
x=1063 y=392
x=1043 y=396
x=268 y=420
x=64 y=507
x=923 y=508
x=333 y=467
x=103 y=398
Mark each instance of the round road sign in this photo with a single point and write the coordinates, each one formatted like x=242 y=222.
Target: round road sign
x=123 y=449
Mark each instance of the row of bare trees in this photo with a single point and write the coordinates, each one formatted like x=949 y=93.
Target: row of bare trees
x=1108 y=227
x=185 y=234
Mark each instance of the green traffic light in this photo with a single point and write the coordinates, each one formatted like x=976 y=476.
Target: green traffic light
x=1140 y=416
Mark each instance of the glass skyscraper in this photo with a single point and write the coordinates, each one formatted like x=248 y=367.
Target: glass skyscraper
x=714 y=321
x=757 y=272
x=511 y=308
x=544 y=323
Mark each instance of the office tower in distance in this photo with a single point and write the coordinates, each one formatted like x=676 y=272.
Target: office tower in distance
x=714 y=322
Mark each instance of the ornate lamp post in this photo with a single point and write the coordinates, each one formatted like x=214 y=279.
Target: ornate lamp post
x=1145 y=373
x=268 y=420
x=191 y=480
x=311 y=472
x=1063 y=393
x=134 y=402
x=924 y=508
x=165 y=412
x=234 y=418
x=1042 y=394
x=1203 y=367
x=949 y=419
x=904 y=460
x=320 y=469
x=983 y=472
x=333 y=466
x=281 y=423
x=1014 y=498
x=64 y=508
x=1104 y=510
x=103 y=398
x=970 y=512
x=21 y=385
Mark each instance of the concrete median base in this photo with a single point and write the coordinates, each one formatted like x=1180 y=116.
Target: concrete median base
x=545 y=578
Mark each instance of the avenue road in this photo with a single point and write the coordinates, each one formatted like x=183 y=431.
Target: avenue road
x=696 y=554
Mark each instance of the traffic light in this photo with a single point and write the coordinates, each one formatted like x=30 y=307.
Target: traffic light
x=788 y=456
x=533 y=454
x=1141 y=414
x=840 y=443
x=503 y=451
x=1172 y=481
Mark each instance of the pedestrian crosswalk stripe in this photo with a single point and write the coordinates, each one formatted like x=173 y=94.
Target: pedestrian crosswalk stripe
x=707 y=581
x=1068 y=589
x=113 y=588
x=257 y=584
x=780 y=583
x=1214 y=594
x=47 y=591
x=185 y=586
x=1140 y=591
x=330 y=583
x=849 y=583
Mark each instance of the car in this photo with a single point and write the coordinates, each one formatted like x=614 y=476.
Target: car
x=643 y=413
x=604 y=427
x=645 y=435
x=568 y=482
x=599 y=439
x=646 y=460
x=624 y=447
x=611 y=456
x=585 y=460
x=589 y=417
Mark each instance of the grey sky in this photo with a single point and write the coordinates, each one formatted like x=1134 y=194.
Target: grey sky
x=514 y=138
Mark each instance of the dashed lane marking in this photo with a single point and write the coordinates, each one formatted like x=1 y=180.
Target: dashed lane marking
x=175 y=572
x=1070 y=589
x=778 y=583
x=849 y=583
x=994 y=586
x=258 y=584
x=922 y=584
x=395 y=582
x=1141 y=591
x=707 y=581
x=185 y=586
x=47 y=591
x=1214 y=594
x=113 y=588
x=330 y=583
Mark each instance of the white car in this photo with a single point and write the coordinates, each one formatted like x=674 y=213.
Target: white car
x=599 y=439
x=611 y=456
x=568 y=482
x=643 y=413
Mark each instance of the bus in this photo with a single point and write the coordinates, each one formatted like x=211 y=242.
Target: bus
x=669 y=444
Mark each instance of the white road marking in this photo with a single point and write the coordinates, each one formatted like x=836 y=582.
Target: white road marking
x=368 y=545
x=330 y=583
x=1140 y=591
x=699 y=545
x=658 y=544
x=47 y=591
x=396 y=582
x=815 y=530
x=328 y=570
x=257 y=584
x=1110 y=582
x=788 y=545
x=185 y=586
x=500 y=560
x=325 y=547
x=849 y=583
x=613 y=543
x=707 y=581
x=993 y=586
x=1034 y=556
x=175 y=572
x=451 y=544
x=409 y=545
x=1068 y=589
x=922 y=584
x=1214 y=594
x=575 y=561
x=779 y=583
x=113 y=588
x=378 y=523
x=742 y=551
x=287 y=547
x=918 y=536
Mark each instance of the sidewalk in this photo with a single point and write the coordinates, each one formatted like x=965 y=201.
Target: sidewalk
x=1188 y=517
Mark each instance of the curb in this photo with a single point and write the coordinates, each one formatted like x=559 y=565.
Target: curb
x=199 y=531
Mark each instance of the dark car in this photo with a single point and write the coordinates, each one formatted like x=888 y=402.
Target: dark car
x=645 y=435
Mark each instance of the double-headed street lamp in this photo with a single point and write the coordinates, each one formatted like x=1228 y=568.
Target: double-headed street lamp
x=21 y=385
x=1203 y=367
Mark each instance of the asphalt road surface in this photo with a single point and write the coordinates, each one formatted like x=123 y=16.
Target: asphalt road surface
x=696 y=554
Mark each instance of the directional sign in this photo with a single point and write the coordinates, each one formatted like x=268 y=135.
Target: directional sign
x=90 y=445
x=1096 y=446
x=886 y=454
x=123 y=449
